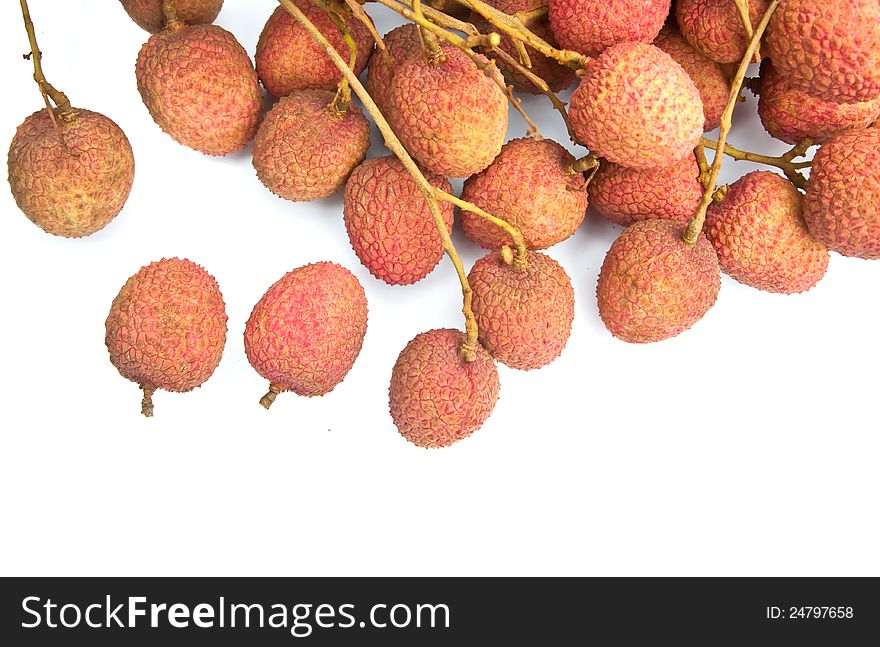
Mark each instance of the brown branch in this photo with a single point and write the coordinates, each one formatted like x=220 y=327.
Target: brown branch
x=47 y=90
x=783 y=162
x=742 y=8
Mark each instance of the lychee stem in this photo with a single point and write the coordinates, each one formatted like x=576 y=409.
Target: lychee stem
x=267 y=400
x=358 y=12
x=428 y=41
x=342 y=100
x=703 y=164
x=695 y=227
x=49 y=92
x=782 y=162
x=394 y=145
x=742 y=8
x=147 y=402
x=169 y=11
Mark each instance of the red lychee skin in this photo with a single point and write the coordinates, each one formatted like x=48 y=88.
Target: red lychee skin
x=761 y=238
x=70 y=185
x=451 y=117
x=558 y=77
x=830 y=50
x=288 y=59
x=625 y=196
x=842 y=204
x=710 y=79
x=714 y=28
x=200 y=87
x=592 y=26
x=792 y=115
x=524 y=316
x=306 y=332
x=436 y=398
x=529 y=186
x=637 y=107
x=167 y=326
x=148 y=14
x=304 y=151
x=389 y=223
x=653 y=285
x=400 y=43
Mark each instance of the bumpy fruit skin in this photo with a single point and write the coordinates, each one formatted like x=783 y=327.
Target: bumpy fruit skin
x=529 y=186
x=715 y=29
x=792 y=115
x=592 y=26
x=400 y=43
x=389 y=224
x=842 y=204
x=830 y=50
x=75 y=184
x=148 y=14
x=167 y=326
x=288 y=59
x=707 y=75
x=557 y=76
x=653 y=285
x=524 y=316
x=625 y=196
x=306 y=332
x=436 y=398
x=304 y=150
x=200 y=87
x=761 y=238
x=637 y=107
x=451 y=117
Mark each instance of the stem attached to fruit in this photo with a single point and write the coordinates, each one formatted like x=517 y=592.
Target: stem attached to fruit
x=342 y=99
x=703 y=163
x=169 y=11
x=782 y=162
x=429 y=43
x=742 y=8
x=267 y=400
x=50 y=94
x=695 y=227
x=147 y=402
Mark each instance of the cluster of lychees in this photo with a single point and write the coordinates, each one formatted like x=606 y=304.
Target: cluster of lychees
x=652 y=77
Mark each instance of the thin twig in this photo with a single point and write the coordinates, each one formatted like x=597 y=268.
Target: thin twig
x=47 y=90
x=783 y=162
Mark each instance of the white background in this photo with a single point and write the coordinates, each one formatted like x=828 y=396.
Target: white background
x=748 y=445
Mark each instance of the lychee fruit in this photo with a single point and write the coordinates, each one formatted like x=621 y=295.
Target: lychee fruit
x=451 y=116
x=830 y=50
x=637 y=107
x=167 y=328
x=653 y=285
x=200 y=87
x=625 y=196
x=70 y=179
x=842 y=204
x=288 y=59
x=592 y=26
x=529 y=185
x=714 y=27
x=436 y=398
x=792 y=115
x=710 y=79
x=524 y=314
x=558 y=77
x=759 y=233
x=305 y=149
x=389 y=222
x=148 y=14
x=306 y=332
x=400 y=43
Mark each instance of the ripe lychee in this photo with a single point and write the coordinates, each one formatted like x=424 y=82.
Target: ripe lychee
x=710 y=79
x=436 y=398
x=524 y=314
x=72 y=178
x=400 y=43
x=637 y=107
x=714 y=27
x=389 y=223
x=761 y=238
x=842 y=204
x=792 y=115
x=200 y=87
x=830 y=50
x=306 y=332
x=288 y=59
x=305 y=149
x=148 y=14
x=558 y=77
x=451 y=116
x=625 y=196
x=592 y=26
x=530 y=185
x=167 y=328
x=653 y=285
